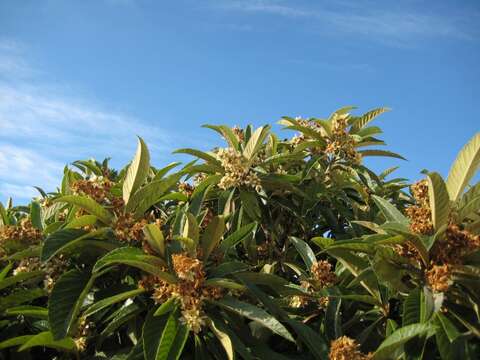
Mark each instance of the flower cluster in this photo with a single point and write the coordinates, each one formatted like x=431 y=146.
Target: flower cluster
x=84 y=330
x=129 y=230
x=300 y=138
x=98 y=189
x=322 y=277
x=457 y=244
x=53 y=269
x=299 y=301
x=341 y=144
x=345 y=348
x=186 y=189
x=238 y=133
x=23 y=233
x=439 y=277
x=198 y=178
x=420 y=215
x=237 y=170
x=447 y=253
x=190 y=290
x=409 y=251
x=322 y=274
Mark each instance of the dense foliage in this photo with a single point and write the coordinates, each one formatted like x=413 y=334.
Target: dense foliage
x=263 y=249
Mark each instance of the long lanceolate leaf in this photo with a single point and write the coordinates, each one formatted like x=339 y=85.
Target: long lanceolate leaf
x=64 y=238
x=305 y=251
x=164 y=337
x=439 y=200
x=256 y=140
x=88 y=204
x=255 y=313
x=101 y=304
x=464 y=168
x=391 y=347
x=137 y=171
x=361 y=121
x=148 y=195
x=46 y=339
x=135 y=257
x=375 y=152
x=227 y=133
x=389 y=211
x=209 y=158
x=213 y=234
x=65 y=301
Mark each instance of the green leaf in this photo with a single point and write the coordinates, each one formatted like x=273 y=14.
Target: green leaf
x=19 y=340
x=137 y=258
x=389 y=211
x=392 y=344
x=464 y=168
x=361 y=121
x=418 y=307
x=36 y=215
x=238 y=236
x=5 y=271
x=200 y=193
x=446 y=349
x=84 y=220
x=376 y=152
x=250 y=204
x=224 y=340
x=254 y=143
x=121 y=316
x=59 y=239
x=256 y=314
x=469 y=209
x=161 y=172
x=150 y=194
x=179 y=342
x=15 y=279
x=226 y=132
x=191 y=229
x=155 y=239
x=212 y=235
x=225 y=283
x=19 y=297
x=173 y=338
x=65 y=301
x=391 y=326
x=102 y=304
x=89 y=205
x=163 y=337
x=166 y=307
x=29 y=311
x=305 y=251
x=448 y=327
x=312 y=339
x=3 y=216
x=439 y=200
x=333 y=317
x=46 y=339
x=210 y=159
x=168 y=336
x=137 y=171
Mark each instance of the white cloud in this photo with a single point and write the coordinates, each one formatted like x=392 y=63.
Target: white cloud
x=42 y=129
x=392 y=26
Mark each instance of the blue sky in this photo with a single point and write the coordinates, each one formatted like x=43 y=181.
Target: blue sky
x=80 y=79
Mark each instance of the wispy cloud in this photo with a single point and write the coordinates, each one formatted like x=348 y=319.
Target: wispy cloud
x=42 y=129
x=388 y=25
